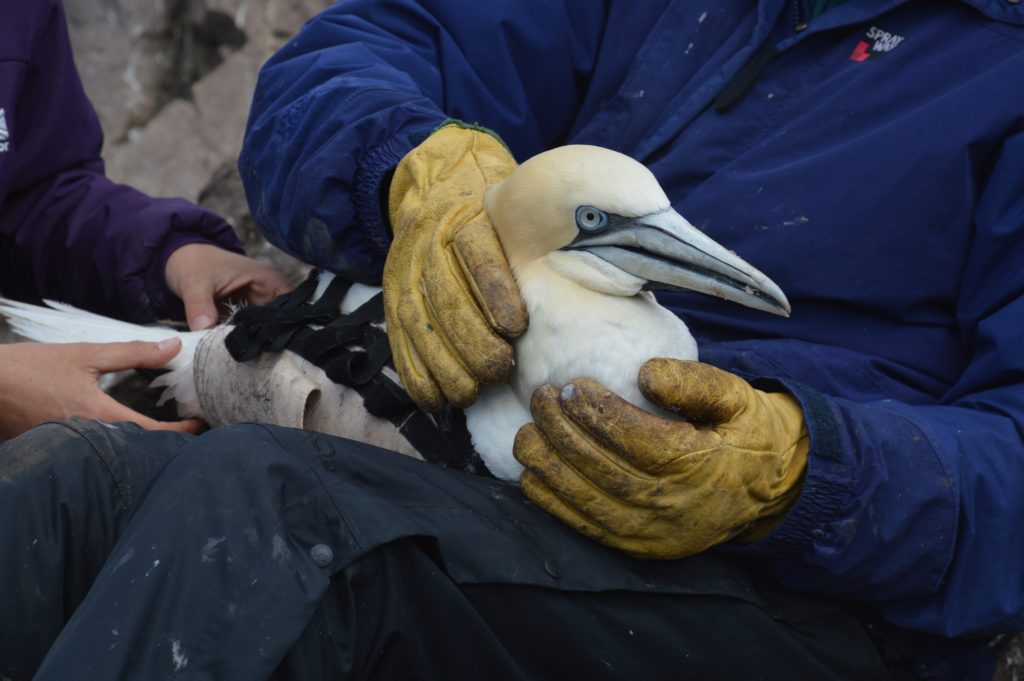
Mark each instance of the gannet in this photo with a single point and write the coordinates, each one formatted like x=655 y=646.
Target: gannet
x=588 y=233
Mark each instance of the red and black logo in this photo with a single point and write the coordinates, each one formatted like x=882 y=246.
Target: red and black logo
x=876 y=43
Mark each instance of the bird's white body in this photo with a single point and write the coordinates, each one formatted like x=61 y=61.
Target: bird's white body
x=574 y=331
x=584 y=230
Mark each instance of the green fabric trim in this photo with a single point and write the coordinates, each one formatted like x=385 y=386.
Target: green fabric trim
x=471 y=126
x=822 y=6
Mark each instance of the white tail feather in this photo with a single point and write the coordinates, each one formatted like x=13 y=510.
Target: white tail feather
x=63 y=323
x=179 y=385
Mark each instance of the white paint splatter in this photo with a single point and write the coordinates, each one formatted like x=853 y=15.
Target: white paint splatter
x=206 y=555
x=152 y=567
x=798 y=221
x=128 y=555
x=280 y=547
x=178 y=656
x=688 y=48
x=702 y=17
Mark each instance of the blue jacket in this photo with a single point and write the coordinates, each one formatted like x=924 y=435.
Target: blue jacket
x=874 y=169
x=66 y=231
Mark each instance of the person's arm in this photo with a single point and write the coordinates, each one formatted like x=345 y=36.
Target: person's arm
x=66 y=231
x=341 y=104
x=919 y=508
x=915 y=508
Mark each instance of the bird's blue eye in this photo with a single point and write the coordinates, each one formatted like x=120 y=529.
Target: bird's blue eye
x=590 y=219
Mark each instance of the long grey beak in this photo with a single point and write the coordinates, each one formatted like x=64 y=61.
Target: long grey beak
x=670 y=253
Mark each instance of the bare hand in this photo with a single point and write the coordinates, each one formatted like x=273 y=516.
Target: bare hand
x=40 y=382
x=203 y=275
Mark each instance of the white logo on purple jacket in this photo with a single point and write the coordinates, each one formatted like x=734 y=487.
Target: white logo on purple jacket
x=5 y=137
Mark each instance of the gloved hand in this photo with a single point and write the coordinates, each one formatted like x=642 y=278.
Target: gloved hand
x=450 y=299
x=661 y=488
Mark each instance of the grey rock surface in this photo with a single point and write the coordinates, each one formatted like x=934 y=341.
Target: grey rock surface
x=172 y=81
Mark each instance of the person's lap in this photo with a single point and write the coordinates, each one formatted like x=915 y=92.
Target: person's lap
x=258 y=547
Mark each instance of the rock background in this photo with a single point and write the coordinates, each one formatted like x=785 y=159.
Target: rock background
x=172 y=80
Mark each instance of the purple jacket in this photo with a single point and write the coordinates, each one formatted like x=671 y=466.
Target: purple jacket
x=66 y=231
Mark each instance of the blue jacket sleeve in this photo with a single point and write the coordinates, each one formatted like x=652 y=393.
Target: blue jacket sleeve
x=918 y=508
x=362 y=83
x=66 y=231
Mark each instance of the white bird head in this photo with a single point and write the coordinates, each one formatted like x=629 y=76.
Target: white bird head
x=601 y=219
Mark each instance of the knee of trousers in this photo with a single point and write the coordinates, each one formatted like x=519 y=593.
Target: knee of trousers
x=78 y=462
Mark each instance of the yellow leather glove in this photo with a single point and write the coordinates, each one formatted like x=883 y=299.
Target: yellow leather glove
x=450 y=299
x=661 y=488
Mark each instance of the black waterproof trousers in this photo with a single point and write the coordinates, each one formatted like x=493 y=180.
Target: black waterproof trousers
x=256 y=552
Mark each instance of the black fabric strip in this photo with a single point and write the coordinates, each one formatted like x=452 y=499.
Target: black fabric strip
x=270 y=327
x=352 y=350
x=744 y=79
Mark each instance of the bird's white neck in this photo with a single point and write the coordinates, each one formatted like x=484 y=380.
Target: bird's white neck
x=579 y=331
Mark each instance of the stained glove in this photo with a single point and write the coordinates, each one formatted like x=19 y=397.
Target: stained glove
x=450 y=300
x=661 y=488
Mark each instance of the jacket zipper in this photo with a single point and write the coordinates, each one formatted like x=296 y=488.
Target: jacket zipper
x=799 y=18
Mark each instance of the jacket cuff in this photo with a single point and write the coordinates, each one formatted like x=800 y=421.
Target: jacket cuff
x=826 y=486
x=373 y=181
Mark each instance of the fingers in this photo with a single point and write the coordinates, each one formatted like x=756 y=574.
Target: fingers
x=416 y=378
x=560 y=489
x=200 y=310
x=435 y=353
x=637 y=437
x=567 y=496
x=565 y=440
x=450 y=301
x=542 y=495
x=482 y=260
x=243 y=278
x=699 y=392
x=107 y=357
x=191 y=426
x=110 y=410
x=267 y=284
x=202 y=274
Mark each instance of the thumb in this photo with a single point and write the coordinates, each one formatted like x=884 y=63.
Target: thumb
x=200 y=309
x=135 y=355
x=697 y=391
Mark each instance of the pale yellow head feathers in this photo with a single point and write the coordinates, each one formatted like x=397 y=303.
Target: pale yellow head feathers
x=534 y=210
